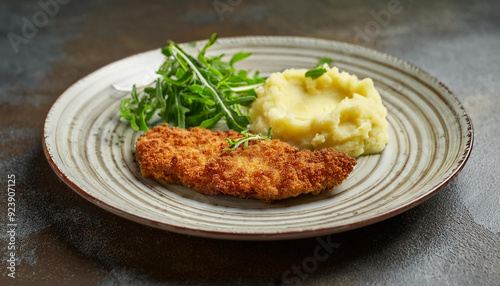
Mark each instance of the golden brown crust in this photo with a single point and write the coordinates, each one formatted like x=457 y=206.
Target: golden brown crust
x=178 y=155
x=274 y=170
x=266 y=170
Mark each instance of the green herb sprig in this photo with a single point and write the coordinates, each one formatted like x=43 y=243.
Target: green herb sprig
x=234 y=144
x=319 y=70
x=194 y=92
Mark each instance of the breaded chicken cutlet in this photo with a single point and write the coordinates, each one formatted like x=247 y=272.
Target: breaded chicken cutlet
x=179 y=156
x=268 y=170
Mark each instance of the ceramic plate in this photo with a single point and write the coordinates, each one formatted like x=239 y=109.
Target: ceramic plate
x=431 y=137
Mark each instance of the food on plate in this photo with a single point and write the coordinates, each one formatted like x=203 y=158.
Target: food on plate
x=320 y=108
x=178 y=155
x=194 y=92
x=268 y=170
x=313 y=109
x=274 y=170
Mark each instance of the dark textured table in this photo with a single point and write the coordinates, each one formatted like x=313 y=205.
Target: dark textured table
x=452 y=238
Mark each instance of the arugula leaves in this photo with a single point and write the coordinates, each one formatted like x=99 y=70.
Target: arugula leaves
x=194 y=92
x=319 y=70
x=315 y=73
x=234 y=144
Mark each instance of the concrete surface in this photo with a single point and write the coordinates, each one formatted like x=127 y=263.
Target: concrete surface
x=453 y=238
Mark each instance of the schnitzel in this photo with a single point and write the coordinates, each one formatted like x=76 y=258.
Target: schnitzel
x=179 y=156
x=268 y=170
x=274 y=170
x=265 y=170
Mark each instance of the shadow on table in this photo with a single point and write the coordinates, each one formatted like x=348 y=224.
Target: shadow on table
x=142 y=253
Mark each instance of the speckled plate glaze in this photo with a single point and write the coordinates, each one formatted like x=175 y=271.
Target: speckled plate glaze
x=431 y=137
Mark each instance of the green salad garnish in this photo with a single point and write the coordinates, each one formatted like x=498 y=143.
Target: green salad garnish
x=194 y=92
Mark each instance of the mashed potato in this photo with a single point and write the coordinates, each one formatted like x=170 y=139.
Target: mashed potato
x=335 y=110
